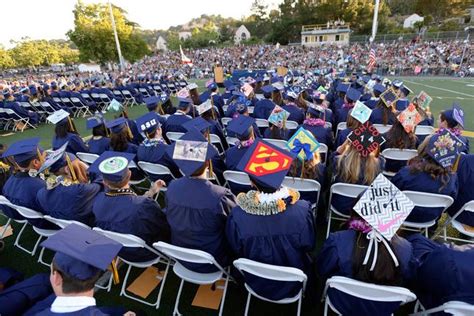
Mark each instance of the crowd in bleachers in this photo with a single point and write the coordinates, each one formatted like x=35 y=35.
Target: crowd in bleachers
x=251 y=173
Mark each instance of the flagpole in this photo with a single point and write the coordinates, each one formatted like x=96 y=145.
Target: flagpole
x=375 y=21
x=117 y=43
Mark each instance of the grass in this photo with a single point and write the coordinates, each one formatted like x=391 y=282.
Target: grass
x=236 y=296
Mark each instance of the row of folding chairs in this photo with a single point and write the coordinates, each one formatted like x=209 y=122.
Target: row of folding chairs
x=12 y=121
x=43 y=108
x=78 y=108
x=421 y=130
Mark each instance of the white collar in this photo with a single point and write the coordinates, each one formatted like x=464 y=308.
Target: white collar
x=69 y=304
x=268 y=198
x=179 y=112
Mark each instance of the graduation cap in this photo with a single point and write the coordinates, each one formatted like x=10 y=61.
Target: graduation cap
x=52 y=160
x=191 y=152
x=278 y=85
x=353 y=94
x=397 y=83
x=151 y=102
x=384 y=207
x=95 y=121
x=204 y=107
x=23 y=150
x=410 y=118
x=115 y=106
x=203 y=97
x=316 y=110
x=148 y=123
x=59 y=117
x=361 y=112
x=183 y=95
x=164 y=98
x=366 y=139
x=81 y=253
x=455 y=115
x=303 y=144
x=229 y=85
x=444 y=147
x=117 y=125
x=423 y=100
x=406 y=91
x=343 y=87
x=247 y=89
x=292 y=93
x=268 y=89
x=278 y=116
x=266 y=164
x=380 y=88
x=197 y=123
x=389 y=97
x=241 y=125
x=113 y=165
x=192 y=86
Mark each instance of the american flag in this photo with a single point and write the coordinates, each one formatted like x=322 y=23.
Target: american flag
x=184 y=59
x=372 y=59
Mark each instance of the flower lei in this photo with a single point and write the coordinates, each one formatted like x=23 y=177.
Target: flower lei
x=314 y=122
x=360 y=225
x=348 y=105
x=265 y=204
x=244 y=143
x=152 y=142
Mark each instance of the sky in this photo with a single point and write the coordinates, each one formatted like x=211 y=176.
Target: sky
x=51 y=19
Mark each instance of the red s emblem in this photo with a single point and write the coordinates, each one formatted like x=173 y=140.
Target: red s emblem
x=265 y=160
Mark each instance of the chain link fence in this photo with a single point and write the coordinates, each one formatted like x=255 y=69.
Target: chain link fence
x=435 y=36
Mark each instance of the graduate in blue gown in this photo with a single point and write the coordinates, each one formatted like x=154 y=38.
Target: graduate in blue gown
x=377 y=90
x=65 y=197
x=153 y=148
x=465 y=173
x=65 y=132
x=383 y=114
x=120 y=112
x=265 y=106
x=350 y=99
x=431 y=172
x=82 y=256
x=196 y=209
x=121 y=210
x=99 y=142
x=444 y=274
x=121 y=136
x=315 y=123
x=242 y=128
x=208 y=112
x=296 y=114
x=403 y=102
x=217 y=99
x=453 y=120
x=175 y=121
x=271 y=224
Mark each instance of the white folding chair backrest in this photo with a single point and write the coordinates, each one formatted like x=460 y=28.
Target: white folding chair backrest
x=302 y=185
x=127 y=240
x=87 y=157
x=458 y=308
x=174 y=136
x=328 y=125
x=231 y=140
x=271 y=272
x=154 y=168
x=340 y=127
x=291 y=125
x=348 y=189
x=382 y=128
x=277 y=142
x=185 y=254
x=250 y=109
x=468 y=207
x=237 y=177
x=261 y=122
x=424 y=130
x=215 y=140
x=425 y=199
x=369 y=291
x=323 y=149
x=226 y=120
x=64 y=222
x=399 y=154
x=24 y=211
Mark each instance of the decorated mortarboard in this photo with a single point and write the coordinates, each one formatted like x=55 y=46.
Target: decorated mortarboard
x=424 y=100
x=278 y=116
x=191 y=152
x=343 y=87
x=389 y=97
x=458 y=114
x=405 y=90
x=380 y=88
x=316 y=111
x=292 y=93
x=444 y=147
x=117 y=125
x=410 y=118
x=247 y=89
x=240 y=125
x=322 y=89
x=204 y=107
x=361 y=112
x=366 y=139
x=164 y=98
x=384 y=207
x=303 y=144
x=265 y=164
x=397 y=83
x=353 y=94
x=197 y=123
x=148 y=123
x=112 y=165
x=95 y=121
x=278 y=85
x=58 y=117
x=192 y=86
x=23 y=150
x=115 y=106
x=268 y=89
x=81 y=253
x=151 y=102
x=53 y=157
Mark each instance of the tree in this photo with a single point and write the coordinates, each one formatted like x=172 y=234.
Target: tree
x=94 y=37
x=440 y=9
x=6 y=60
x=29 y=53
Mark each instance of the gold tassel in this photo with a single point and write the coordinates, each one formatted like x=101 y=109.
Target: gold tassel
x=160 y=109
x=113 y=268
x=212 y=109
x=71 y=168
x=456 y=164
x=211 y=172
x=71 y=126
x=40 y=155
x=129 y=132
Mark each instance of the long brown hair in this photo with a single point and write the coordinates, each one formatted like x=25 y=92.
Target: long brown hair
x=397 y=137
x=119 y=141
x=307 y=169
x=276 y=97
x=350 y=166
x=387 y=112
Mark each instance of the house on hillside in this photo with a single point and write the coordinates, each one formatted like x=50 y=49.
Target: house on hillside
x=161 y=44
x=410 y=21
x=329 y=33
x=184 y=35
x=242 y=34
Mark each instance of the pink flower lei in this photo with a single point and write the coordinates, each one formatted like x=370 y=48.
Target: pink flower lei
x=360 y=225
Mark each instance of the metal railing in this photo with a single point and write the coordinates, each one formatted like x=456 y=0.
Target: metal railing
x=454 y=35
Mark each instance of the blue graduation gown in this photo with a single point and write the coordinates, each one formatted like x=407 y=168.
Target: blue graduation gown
x=89 y=311
x=341 y=114
x=263 y=108
x=335 y=259
x=372 y=102
x=342 y=136
x=465 y=175
x=130 y=214
x=423 y=182
x=157 y=154
x=174 y=123
x=98 y=145
x=16 y=299
x=218 y=102
x=75 y=145
x=321 y=133
x=377 y=117
x=283 y=134
x=296 y=114
x=465 y=140
x=197 y=212
x=72 y=202
x=283 y=239
x=233 y=155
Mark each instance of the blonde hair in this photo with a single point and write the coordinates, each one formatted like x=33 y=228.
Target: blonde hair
x=350 y=164
x=310 y=170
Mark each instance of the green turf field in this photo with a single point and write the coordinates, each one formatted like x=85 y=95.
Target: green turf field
x=444 y=91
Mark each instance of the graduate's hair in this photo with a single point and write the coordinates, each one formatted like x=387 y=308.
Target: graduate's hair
x=397 y=137
x=201 y=170
x=276 y=97
x=385 y=272
x=194 y=94
x=99 y=131
x=351 y=122
x=301 y=102
x=310 y=171
x=424 y=163
x=350 y=166
x=61 y=130
x=387 y=112
x=119 y=141
x=276 y=132
x=71 y=285
x=450 y=122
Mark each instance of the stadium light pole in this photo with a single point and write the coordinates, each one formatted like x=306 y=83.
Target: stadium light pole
x=117 y=43
x=375 y=21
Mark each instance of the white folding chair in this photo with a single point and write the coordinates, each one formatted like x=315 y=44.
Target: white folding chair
x=194 y=256
x=226 y=120
x=346 y=190
x=261 y=123
x=216 y=141
x=291 y=125
x=468 y=207
x=237 y=177
x=231 y=140
x=323 y=151
x=277 y=142
x=275 y=273
x=398 y=155
x=132 y=241
x=366 y=291
x=303 y=185
x=429 y=200
x=457 y=308
x=156 y=169
x=382 y=128
x=340 y=127
x=424 y=130
x=250 y=109
x=174 y=136
x=87 y=157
